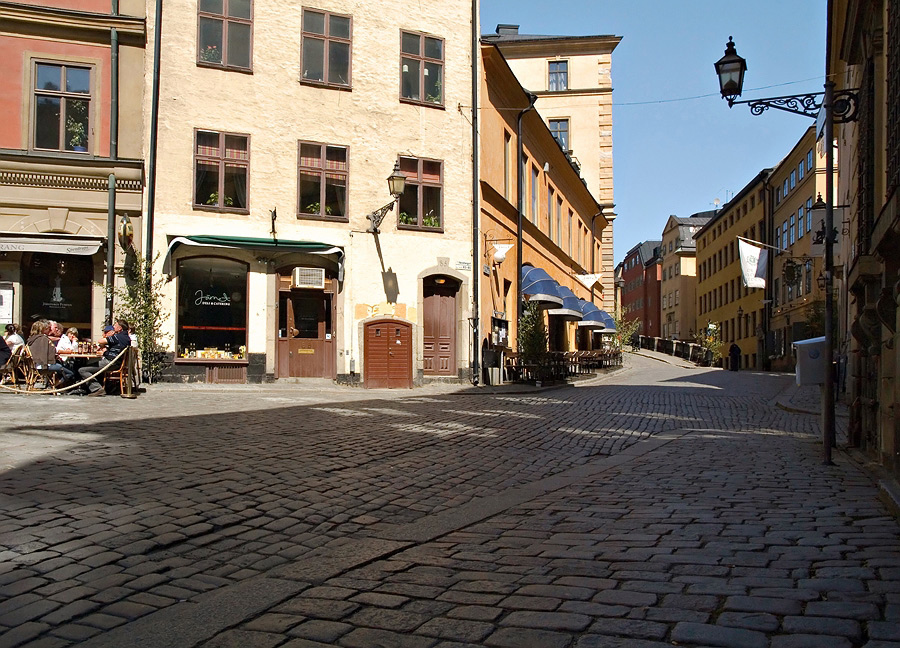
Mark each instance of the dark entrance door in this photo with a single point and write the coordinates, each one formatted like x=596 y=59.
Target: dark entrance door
x=439 y=327
x=57 y=287
x=305 y=336
x=388 y=349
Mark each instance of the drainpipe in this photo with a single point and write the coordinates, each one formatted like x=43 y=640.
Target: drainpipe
x=594 y=238
x=113 y=154
x=520 y=201
x=476 y=257
x=154 y=129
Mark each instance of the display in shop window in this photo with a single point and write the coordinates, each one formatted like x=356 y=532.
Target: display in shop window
x=212 y=309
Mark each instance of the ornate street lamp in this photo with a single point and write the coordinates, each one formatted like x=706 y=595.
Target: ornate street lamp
x=834 y=107
x=396 y=184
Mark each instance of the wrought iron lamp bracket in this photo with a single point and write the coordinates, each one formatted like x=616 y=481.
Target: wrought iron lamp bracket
x=846 y=104
x=378 y=215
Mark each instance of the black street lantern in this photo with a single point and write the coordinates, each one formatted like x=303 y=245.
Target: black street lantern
x=396 y=181
x=730 y=69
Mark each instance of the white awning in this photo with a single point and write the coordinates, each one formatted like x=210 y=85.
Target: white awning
x=53 y=243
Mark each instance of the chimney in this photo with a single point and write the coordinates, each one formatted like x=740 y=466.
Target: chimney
x=507 y=30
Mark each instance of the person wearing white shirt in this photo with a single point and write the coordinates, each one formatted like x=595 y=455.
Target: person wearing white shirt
x=68 y=343
x=13 y=339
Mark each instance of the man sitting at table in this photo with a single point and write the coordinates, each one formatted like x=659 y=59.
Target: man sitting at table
x=68 y=343
x=113 y=342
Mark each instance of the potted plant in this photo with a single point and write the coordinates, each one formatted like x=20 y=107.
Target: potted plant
x=211 y=54
x=214 y=200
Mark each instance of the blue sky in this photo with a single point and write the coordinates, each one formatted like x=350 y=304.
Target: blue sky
x=676 y=145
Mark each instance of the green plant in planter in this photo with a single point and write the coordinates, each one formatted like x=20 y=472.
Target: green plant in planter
x=316 y=208
x=431 y=220
x=214 y=200
x=406 y=219
x=532 y=339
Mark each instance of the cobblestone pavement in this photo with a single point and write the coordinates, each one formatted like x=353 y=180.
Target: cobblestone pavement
x=656 y=505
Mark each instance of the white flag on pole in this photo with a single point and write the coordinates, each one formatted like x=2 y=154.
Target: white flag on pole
x=588 y=280
x=753 y=264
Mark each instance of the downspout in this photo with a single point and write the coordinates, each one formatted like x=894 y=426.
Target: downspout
x=476 y=265
x=828 y=434
x=114 y=155
x=769 y=295
x=154 y=129
x=593 y=246
x=520 y=201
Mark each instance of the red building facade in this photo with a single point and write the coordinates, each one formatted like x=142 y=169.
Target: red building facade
x=640 y=293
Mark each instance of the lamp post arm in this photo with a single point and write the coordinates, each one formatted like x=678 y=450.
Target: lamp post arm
x=378 y=215
x=844 y=105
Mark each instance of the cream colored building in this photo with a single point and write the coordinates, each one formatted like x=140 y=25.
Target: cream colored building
x=70 y=155
x=302 y=113
x=571 y=75
x=678 y=286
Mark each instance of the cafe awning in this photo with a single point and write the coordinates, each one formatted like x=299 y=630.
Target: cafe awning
x=257 y=244
x=53 y=243
x=591 y=315
x=571 y=308
x=540 y=288
x=609 y=323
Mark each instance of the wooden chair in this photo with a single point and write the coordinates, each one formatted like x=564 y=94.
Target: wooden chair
x=11 y=372
x=123 y=372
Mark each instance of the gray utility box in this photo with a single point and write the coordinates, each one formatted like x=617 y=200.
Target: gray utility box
x=810 y=361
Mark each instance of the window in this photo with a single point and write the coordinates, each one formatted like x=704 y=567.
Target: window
x=212 y=308
x=777 y=195
x=793 y=179
x=776 y=293
x=809 y=160
x=778 y=240
x=549 y=210
x=785 y=190
x=809 y=277
x=535 y=190
x=809 y=214
x=800 y=222
x=62 y=107
x=326 y=48
x=784 y=235
x=677 y=297
x=422 y=68
x=225 y=28
x=221 y=167
x=559 y=128
x=793 y=230
x=558 y=76
x=571 y=222
x=800 y=170
x=421 y=204
x=322 y=178
x=559 y=204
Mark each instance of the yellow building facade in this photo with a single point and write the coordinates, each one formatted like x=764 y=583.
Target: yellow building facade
x=557 y=209
x=277 y=130
x=678 y=285
x=572 y=78
x=739 y=313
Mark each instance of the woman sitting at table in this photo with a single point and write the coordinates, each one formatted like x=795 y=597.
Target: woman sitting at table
x=68 y=343
x=44 y=353
x=13 y=339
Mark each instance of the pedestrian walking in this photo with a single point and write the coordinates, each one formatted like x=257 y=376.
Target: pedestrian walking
x=734 y=357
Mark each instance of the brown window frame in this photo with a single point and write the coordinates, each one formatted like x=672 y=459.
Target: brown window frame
x=64 y=96
x=322 y=170
x=327 y=38
x=419 y=182
x=422 y=59
x=220 y=160
x=226 y=20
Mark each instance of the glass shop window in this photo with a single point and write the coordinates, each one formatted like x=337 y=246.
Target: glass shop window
x=212 y=309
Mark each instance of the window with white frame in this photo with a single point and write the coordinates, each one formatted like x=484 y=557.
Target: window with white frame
x=558 y=76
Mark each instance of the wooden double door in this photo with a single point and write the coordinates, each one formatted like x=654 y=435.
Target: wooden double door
x=439 y=327
x=306 y=341
x=388 y=354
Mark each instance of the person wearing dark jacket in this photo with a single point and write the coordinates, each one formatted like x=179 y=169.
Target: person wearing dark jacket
x=734 y=357
x=5 y=352
x=115 y=340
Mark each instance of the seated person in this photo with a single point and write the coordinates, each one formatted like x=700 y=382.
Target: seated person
x=68 y=343
x=13 y=338
x=113 y=343
x=55 y=332
x=5 y=352
x=44 y=352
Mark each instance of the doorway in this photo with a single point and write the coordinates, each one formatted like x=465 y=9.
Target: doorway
x=388 y=354
x=305 y=334
x=439 y=326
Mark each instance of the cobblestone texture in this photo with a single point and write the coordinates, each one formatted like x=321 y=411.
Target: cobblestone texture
x=731 y=533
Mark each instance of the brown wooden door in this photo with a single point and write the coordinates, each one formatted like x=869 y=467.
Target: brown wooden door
x=305 y=336
x=388 y=354
x=439 y=330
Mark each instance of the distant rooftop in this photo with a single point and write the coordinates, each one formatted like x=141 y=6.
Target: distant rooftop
x=510 y=33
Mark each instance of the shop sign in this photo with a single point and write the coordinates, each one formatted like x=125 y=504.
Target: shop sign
x=204 y=299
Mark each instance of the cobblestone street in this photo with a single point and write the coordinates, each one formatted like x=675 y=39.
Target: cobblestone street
x=656 y=505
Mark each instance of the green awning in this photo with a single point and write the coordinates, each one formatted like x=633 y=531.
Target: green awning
x=259 y=244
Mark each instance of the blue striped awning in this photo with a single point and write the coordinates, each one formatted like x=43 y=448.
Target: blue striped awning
x=540 y=288
x=608 y=321
x=571 y=307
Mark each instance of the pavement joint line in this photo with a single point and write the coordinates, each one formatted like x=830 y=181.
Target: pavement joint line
x=192 y=622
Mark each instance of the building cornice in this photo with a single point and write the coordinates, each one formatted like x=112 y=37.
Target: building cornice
x=574 y=92
x=556 y=46
x=79 y=21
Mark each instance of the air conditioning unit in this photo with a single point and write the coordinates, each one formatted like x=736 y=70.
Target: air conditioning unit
x=308 y=278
